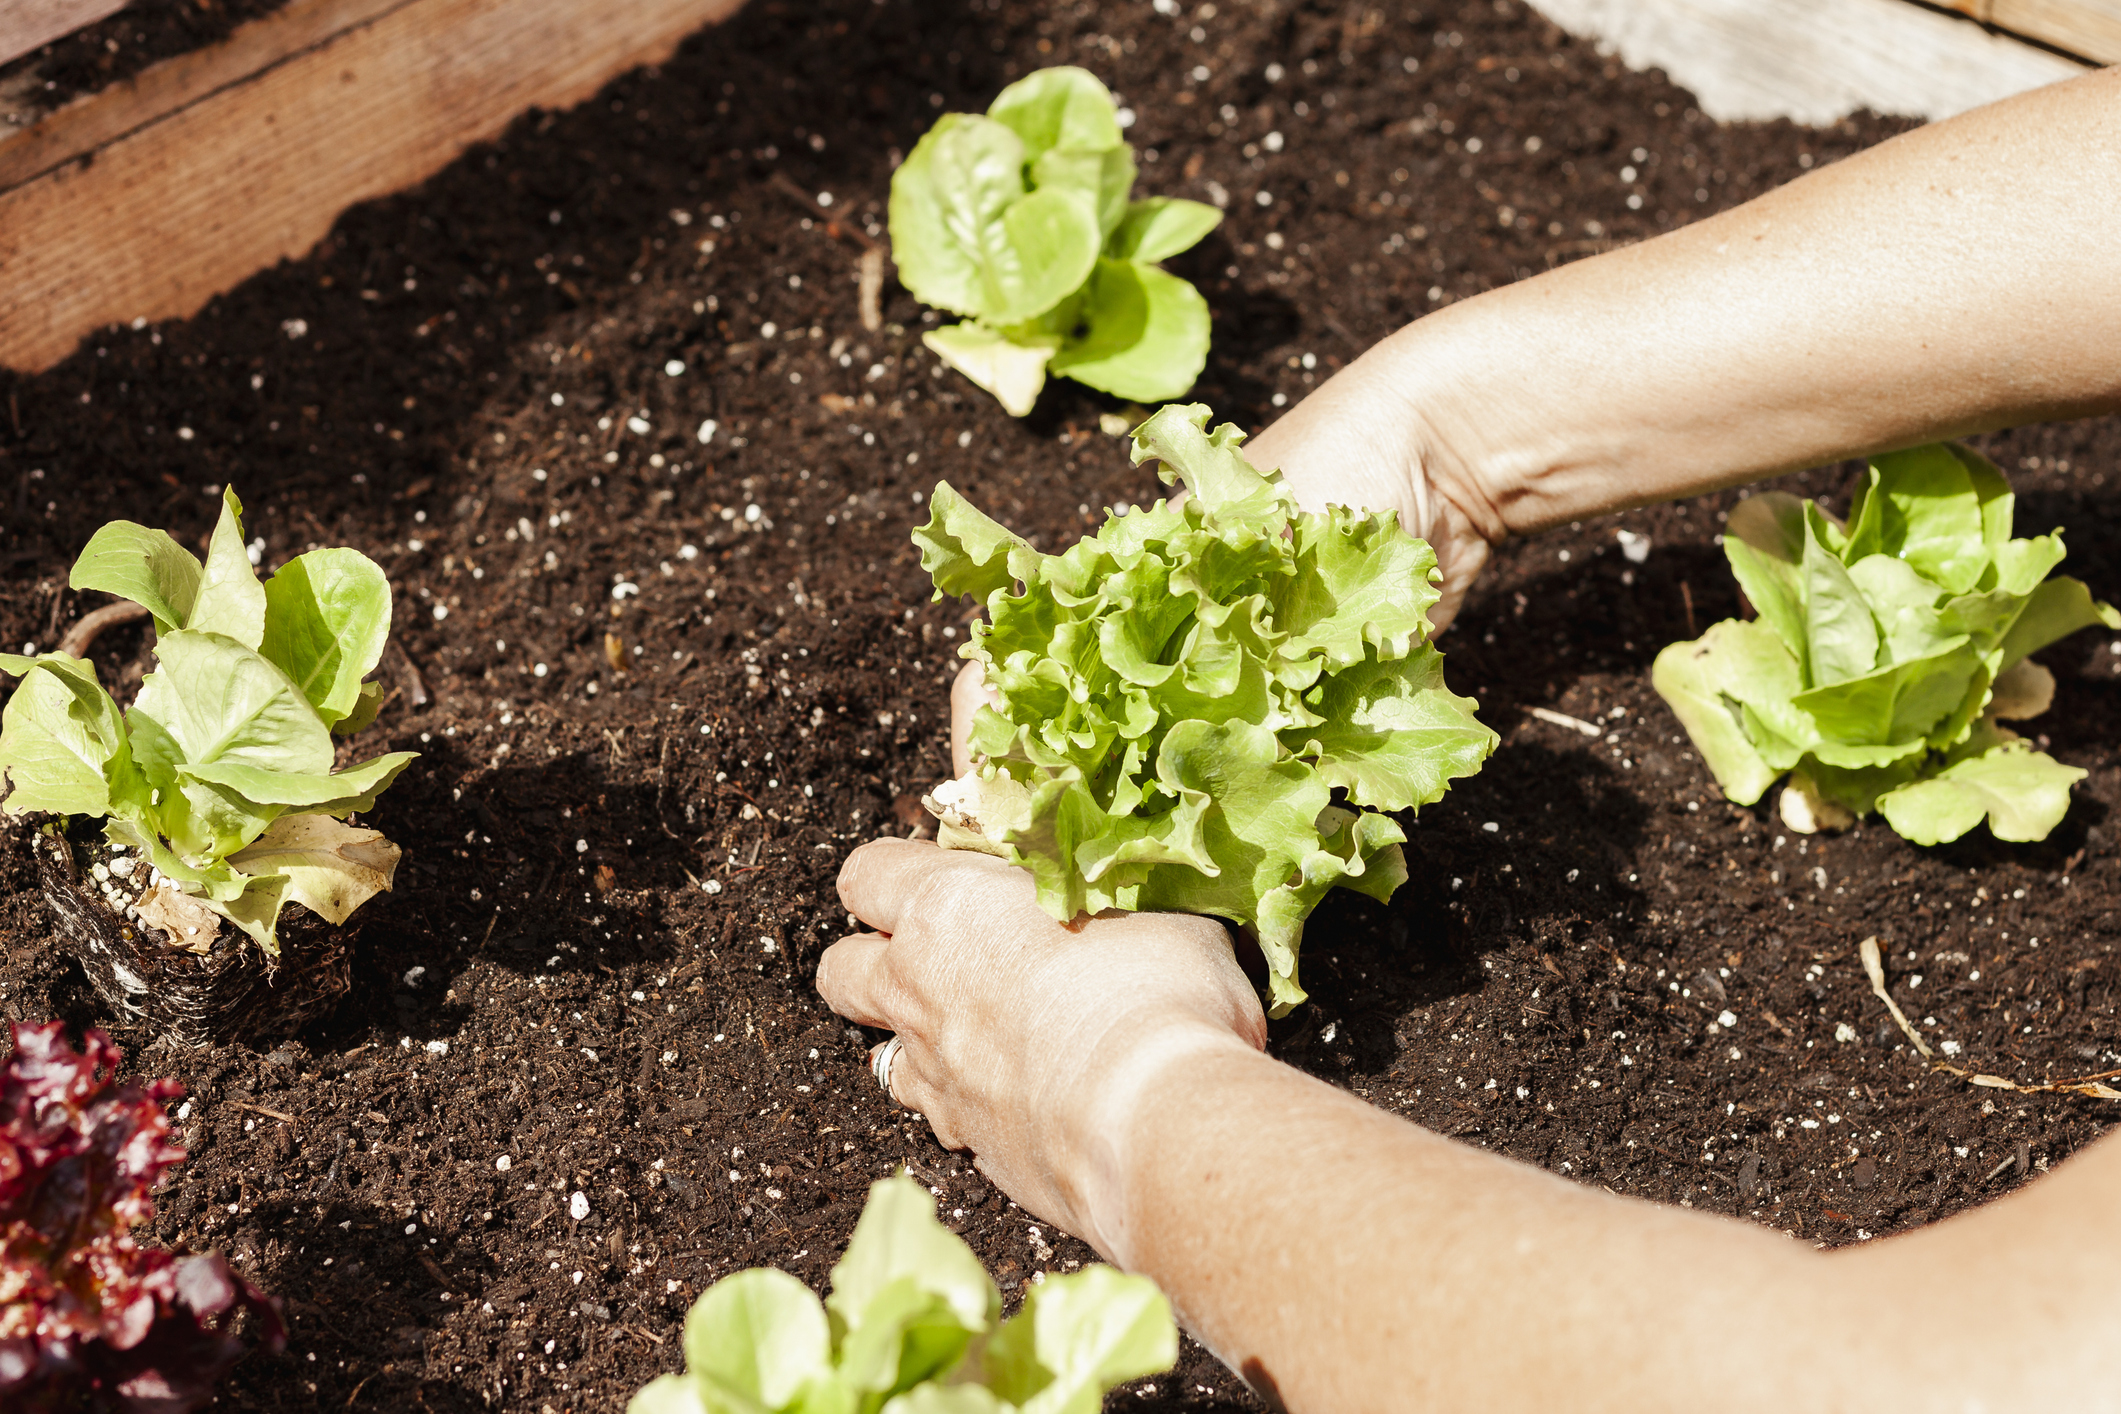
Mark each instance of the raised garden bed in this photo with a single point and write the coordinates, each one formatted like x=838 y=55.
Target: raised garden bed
x=616 y=884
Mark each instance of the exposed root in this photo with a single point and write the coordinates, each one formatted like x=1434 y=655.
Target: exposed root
x=83 y=634
x=2086 y=1085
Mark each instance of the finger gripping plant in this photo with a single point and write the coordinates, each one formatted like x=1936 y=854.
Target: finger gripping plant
x=1887 y=653
x=1182 y=695
x=1020 y=221
x=913 y=1326
x=90 y=1321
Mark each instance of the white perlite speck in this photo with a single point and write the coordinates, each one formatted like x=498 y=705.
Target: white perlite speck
x=578 y=1206
x=504 y=1163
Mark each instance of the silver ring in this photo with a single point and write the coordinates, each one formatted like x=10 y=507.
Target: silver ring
x=881 y=1061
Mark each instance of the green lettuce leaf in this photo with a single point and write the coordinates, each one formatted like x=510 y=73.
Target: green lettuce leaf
x=907 y=1296
x=758 y=1336
x=1076 y=1337
x=1764 y=541
x=330 y=868
x=1020 y=221
x=1010 y=367
x=1143 y=334
x=2022 y=793
x=220 y=772
x=326 y=619
x=1181 y=695
x=231 y=602
x=1870 y=667
x=145 y=566
x=221 y=702
x=62 y=742
x=912 y=1327
x=969 y=236
x=1159 y=227
x=337 y=793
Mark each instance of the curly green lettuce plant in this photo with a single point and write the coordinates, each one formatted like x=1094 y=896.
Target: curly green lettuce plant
x=1886 y=654
x=1019 y=221
x=913 y=1326
x=220 y=774
x=1181 y=695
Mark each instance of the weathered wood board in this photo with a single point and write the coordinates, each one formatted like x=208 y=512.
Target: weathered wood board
x=2091 y=28
x=32 y=24
x=1815 y=61
x=146 y=199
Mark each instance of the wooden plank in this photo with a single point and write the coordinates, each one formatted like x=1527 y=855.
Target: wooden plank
x=1814 y=61
x=146 y=200
x=102 y=117
x=2088 y=27
x=31 y=24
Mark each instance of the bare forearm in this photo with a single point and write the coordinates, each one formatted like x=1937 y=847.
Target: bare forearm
x=1962 y=277
x=1352 y=1261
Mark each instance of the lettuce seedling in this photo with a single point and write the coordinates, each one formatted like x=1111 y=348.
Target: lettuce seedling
x=1020 y=222
x=220 y=774
x=1887 y=653
x=913 y=1326
x=1180 y=696
x=89 y=1320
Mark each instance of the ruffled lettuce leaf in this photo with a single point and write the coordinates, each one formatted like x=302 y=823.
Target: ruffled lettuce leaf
x=1188 y=698
x=1876 y=667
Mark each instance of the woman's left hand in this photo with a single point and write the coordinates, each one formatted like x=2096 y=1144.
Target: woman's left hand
x=1021 y=1039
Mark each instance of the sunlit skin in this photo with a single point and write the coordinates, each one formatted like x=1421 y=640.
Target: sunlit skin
x=1109 y=1076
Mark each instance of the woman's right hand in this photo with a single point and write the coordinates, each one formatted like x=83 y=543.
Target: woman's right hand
x=1357 y=441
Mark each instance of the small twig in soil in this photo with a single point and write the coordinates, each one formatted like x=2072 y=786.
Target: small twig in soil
x=2015 y=1159
x=2086 y=1085
x=833 y=225
x=1686 y=595
x=79 y=638
x=870 y=289
x=415 y=685
x=1563 y=719
x=260 y=1109
x=643 y=1334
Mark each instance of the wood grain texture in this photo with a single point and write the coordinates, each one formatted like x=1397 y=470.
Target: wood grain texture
x=147 y=199
x=32 y=24
x=1814 y=61
x=102 y=117
x=2088 y=27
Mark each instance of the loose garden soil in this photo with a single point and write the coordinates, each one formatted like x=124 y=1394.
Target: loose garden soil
x=599 y=401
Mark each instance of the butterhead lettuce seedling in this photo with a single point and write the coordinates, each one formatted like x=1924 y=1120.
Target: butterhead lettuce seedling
x=1020 y=221
x=913 y=1326
x=1887 y=653
x=1181 y=695
x=221 y=772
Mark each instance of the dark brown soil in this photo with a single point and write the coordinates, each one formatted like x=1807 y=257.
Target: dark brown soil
x=616 y=883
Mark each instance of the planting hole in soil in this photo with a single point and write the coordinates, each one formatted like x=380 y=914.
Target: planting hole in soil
x=600 y=402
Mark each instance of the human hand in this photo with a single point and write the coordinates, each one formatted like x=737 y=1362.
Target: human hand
x=1025 y=1041
x=1359 y=441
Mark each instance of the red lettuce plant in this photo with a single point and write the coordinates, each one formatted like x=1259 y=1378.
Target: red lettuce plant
x=88 y=1319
